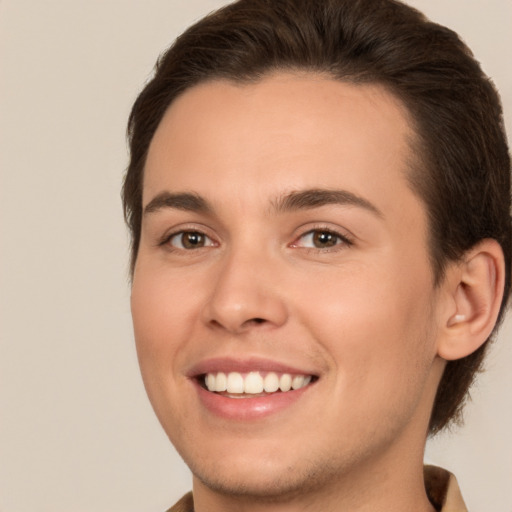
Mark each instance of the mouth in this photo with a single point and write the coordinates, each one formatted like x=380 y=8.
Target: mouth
x=253 y=384
x=250 y=389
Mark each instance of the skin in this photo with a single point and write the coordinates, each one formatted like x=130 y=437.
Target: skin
x=363 y=316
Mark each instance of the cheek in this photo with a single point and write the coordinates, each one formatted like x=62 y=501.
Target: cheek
x=374 y=322
x=162 y=315
x=162 y=319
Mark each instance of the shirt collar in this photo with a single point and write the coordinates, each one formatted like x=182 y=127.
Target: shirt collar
x=443 y=490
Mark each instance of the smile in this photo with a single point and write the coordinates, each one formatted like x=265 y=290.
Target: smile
x=250 y=389
x=254 y=383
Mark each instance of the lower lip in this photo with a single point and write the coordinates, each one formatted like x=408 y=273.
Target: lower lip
x=247 y=409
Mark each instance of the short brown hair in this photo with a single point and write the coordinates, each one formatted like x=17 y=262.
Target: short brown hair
x=463 y=169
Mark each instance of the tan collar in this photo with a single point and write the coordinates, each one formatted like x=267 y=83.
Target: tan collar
x=442 y=490
x=186 y=504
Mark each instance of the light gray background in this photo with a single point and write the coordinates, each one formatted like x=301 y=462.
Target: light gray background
x=76 y=430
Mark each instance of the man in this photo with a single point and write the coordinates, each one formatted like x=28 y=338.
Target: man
x=319 y=197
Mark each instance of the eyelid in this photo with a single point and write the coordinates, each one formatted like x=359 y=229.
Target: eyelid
x=186 y=228
x=208 y=242
x=346 y=240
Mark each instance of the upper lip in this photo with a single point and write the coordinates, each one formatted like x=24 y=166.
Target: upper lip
x=229 y=364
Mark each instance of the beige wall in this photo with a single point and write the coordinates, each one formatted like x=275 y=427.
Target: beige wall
x=76 y=431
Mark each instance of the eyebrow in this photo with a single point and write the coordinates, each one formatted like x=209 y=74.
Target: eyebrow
x=315 y=198
x=292 y=201
x=181 y=201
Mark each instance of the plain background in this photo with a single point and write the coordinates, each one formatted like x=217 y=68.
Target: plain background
x=76 y=430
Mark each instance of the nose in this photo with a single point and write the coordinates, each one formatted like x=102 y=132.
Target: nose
x=245 y=294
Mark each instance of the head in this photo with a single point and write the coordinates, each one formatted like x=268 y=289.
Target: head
x=461 y=166
x=393 y=111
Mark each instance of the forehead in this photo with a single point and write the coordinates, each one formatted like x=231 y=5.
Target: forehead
x=285 y=132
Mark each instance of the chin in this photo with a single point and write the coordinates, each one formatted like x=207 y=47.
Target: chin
x=267 y=484
x=262 y=477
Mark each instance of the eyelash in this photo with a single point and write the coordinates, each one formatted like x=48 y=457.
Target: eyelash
x=341 y=240
x=167 y=239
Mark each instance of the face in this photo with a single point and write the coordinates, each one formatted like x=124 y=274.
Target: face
x=283 y=300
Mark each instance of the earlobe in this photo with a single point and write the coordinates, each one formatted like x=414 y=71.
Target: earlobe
x=476 y=294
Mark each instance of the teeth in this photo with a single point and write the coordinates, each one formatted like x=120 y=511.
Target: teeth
x=235 y=383
x=253 y=383
x=210 y=381
x=297 y=381
x=285 y=382
x=271 y=382
x=221 y=382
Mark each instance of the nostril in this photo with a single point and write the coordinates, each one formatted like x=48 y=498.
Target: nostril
x=245 y=325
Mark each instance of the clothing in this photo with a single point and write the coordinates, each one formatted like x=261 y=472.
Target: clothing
x=442 y=491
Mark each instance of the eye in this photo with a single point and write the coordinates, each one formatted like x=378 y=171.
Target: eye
x=321 y=239
x=188 y=240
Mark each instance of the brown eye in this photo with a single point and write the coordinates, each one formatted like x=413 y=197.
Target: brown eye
x=190 y=240
x=322 y=239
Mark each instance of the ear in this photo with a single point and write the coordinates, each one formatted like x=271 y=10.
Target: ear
x=475 y=290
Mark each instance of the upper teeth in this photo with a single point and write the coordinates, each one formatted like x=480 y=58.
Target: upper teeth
x=254 y=383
